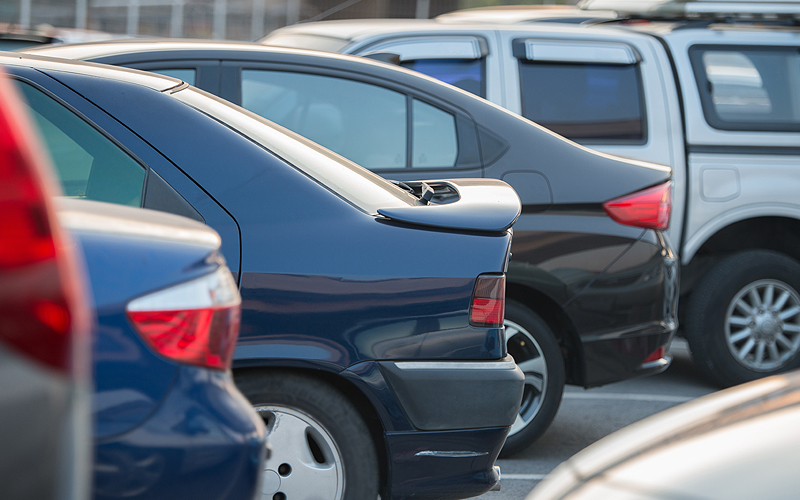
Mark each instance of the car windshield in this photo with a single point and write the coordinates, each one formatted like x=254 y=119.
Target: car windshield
x=357 y=185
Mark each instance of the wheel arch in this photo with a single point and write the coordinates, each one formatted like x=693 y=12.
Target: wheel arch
x=558 y=321
x=777 y=233
x=353 y=394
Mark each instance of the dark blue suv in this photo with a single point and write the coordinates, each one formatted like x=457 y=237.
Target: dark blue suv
x=372 y=339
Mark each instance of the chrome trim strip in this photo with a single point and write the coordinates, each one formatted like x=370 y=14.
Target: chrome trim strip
x=451 y=454
x=456 y=365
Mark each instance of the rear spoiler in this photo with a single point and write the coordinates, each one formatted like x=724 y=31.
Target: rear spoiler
x=465 y=204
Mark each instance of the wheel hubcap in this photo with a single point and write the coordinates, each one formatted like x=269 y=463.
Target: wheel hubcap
x=305 y=462
x=528 y=355
x=762 y=326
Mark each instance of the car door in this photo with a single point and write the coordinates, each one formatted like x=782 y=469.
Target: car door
x=378 y=124
x=86 y=146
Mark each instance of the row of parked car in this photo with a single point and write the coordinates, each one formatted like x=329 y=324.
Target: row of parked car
x=392 y=336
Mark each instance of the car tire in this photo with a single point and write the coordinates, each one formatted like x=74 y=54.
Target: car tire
x=534 y=347
x=743 y=319
x=321 y=447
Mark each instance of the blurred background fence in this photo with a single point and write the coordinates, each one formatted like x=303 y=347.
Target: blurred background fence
x=221 y=19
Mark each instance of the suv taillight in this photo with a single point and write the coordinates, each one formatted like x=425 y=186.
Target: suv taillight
x=42 y=307
x=196 y=322
x=488 y=308
x=649 y=208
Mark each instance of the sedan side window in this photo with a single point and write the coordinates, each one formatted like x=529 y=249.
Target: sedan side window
x=434 y=137
x=362 y=122
x=89 y=165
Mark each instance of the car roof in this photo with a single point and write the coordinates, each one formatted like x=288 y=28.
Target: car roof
x=92 y=50
x=512 y=14
x=145 y=79
x=357 y=30
x=351 y=31
x=209 y=49
x=247 y=50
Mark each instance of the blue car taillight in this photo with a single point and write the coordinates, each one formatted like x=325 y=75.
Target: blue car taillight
x=196 y=322
x=488 y=308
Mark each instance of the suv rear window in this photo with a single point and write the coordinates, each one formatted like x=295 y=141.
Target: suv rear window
x=588 y=103
x=749 y=88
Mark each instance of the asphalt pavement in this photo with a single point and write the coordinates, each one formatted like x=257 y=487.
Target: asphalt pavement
x=586 y=416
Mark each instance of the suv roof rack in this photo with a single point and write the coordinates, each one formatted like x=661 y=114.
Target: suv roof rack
x=698 y=9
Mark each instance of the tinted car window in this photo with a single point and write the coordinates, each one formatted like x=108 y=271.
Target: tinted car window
x=749 y=89
x=360 y=187
x=466 y=74
x=188 y=75
x=584 y=102
x=89 y=165
x=434 y=135
x=362 y=122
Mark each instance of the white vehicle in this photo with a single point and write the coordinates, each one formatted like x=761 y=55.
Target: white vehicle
x=710 y=88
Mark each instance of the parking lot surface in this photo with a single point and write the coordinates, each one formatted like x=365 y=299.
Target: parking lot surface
x=586 y=416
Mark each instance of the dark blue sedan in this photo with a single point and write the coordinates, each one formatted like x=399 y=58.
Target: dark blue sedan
x=372 y=338
x=168 y=420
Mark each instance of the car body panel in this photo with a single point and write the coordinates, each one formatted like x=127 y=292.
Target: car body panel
x=650 y=459
x=154 y=417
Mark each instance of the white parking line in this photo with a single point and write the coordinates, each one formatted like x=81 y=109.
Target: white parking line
x=525 y=477
x=621 y=396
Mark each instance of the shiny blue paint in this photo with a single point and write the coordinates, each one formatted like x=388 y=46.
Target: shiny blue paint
x=367 y=377
x=130 y=380
x=162 y=430
x=198 y=444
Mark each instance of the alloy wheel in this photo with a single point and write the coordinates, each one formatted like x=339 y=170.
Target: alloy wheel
x=528 y=355
x=305 y=463
x=762 y=325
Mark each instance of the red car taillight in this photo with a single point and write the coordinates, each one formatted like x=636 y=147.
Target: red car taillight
x=42 y=307
x=196 y=322
x=488 y=307
x=649 y=208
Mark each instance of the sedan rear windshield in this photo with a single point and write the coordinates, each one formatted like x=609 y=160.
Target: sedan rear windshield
x=357 y=185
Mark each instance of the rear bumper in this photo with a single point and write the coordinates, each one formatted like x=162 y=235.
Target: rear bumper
x=443 y=465
x=628 y=312
x=444 y=422
x=204 y=441
x=449 y=395
x=623 y=357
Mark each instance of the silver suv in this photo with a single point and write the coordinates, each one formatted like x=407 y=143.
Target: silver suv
x=710 y=88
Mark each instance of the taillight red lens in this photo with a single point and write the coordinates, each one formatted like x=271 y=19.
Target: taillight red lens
x=488 y=307
x=648 y=209
x=655 y=355
x=195 y=323
x=42 y=307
